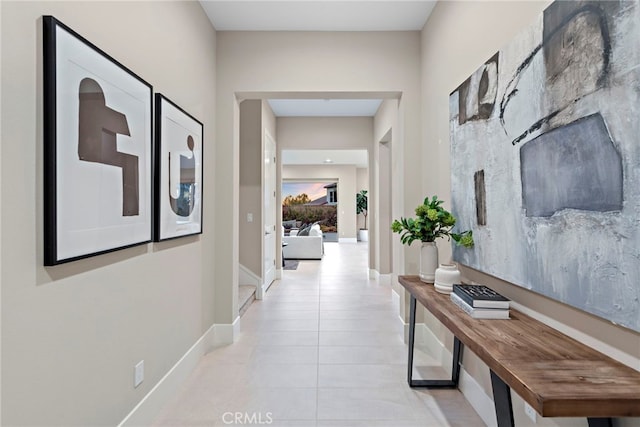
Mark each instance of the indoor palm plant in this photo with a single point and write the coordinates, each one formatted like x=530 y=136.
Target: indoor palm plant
x=362 y=205
x=432 y=221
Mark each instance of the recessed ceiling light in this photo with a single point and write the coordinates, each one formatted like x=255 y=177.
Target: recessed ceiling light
x=328 y=161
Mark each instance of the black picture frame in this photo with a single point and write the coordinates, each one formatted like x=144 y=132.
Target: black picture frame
x=98 y=142
x=178 y=183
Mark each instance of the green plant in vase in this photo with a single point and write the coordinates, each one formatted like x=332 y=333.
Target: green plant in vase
x=432 y=221
x=362 y=207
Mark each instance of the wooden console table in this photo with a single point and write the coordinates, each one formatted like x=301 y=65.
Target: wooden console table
x=557 y=375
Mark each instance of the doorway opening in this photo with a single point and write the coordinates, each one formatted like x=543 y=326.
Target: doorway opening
x=305 y=203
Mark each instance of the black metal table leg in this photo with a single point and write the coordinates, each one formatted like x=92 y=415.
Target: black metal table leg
x=600 y=422
x=502 y=401
x=457 y=357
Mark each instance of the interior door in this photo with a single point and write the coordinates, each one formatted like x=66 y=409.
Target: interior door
x=270 y=207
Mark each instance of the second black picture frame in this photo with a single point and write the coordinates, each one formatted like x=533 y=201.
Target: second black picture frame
x=178 y=161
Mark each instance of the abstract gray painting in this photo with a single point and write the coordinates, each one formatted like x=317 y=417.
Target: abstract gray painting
x=545 y=159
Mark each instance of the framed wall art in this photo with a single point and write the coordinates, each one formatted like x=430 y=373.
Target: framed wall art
x=178 y=173
x=545 y=159
x=97 y=149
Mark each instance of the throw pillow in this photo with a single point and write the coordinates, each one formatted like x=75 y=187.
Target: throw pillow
x=304 y=231
x=315 y=230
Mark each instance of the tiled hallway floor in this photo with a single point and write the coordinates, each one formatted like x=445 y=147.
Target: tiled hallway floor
x=324 y=348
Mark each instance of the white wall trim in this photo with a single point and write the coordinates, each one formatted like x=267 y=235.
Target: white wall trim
x=265 y=287
x=469 y=387
x=347 y=240
x=278 y=273
x=395 y=297
x=150 y=406
x=395 y=292
x=384 y=279
x=225 y=334
x=248 y=277
x=477 y=398
x=434 y=347
x=421 y=338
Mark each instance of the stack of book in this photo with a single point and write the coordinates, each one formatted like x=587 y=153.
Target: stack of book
x=480 y=302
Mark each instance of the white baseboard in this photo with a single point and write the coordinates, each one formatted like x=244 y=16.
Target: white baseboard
x=248 y=277
x=395 y=298
x=278 y=274
x=468 y=386
x=420 y=337
x=150 y=406
x=477 y=398
x=226 y=333
x=266 y=286
x=424 y=337
x=395 y=293
x=384 y=279
x=347 y=240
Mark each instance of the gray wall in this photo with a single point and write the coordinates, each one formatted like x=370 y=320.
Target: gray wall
x=72 y=334
x=251 y=185
x=256 y=117
x=262 y=65
x=325 y=133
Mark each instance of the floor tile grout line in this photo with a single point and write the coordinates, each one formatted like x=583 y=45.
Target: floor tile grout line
x=329 y=400
x=318 y=354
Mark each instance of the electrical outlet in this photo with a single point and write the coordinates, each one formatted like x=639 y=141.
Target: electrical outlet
x=138 y=374
x=531 y=413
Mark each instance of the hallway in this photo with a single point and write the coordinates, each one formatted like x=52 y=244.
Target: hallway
x=324 y=348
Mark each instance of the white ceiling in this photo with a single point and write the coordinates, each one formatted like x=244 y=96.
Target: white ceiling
x=314 y=15
x=319 y=157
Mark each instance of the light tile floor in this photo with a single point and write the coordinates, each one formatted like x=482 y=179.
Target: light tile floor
x=323 y=349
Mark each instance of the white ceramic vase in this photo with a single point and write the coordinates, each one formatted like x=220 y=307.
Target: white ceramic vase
x=445 y=277
x=428 y=261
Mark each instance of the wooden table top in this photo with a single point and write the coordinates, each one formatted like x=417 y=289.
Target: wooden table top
x=557 y=375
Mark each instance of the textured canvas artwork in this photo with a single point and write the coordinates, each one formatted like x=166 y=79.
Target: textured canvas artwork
x=545 y=159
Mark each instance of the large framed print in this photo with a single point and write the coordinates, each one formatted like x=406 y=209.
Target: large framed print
x=178 y=173
x=545 y=158
x=97 y=149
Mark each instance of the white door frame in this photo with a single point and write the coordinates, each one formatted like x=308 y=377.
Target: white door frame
x=269 y=214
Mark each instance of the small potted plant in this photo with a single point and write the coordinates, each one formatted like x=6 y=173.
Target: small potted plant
x=362 y=208
x=432 y=222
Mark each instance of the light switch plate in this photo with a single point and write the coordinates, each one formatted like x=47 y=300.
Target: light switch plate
x=138 y=374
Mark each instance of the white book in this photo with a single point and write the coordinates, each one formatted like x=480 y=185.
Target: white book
x=480 y=313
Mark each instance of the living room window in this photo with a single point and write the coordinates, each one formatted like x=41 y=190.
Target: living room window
x=333 y=196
